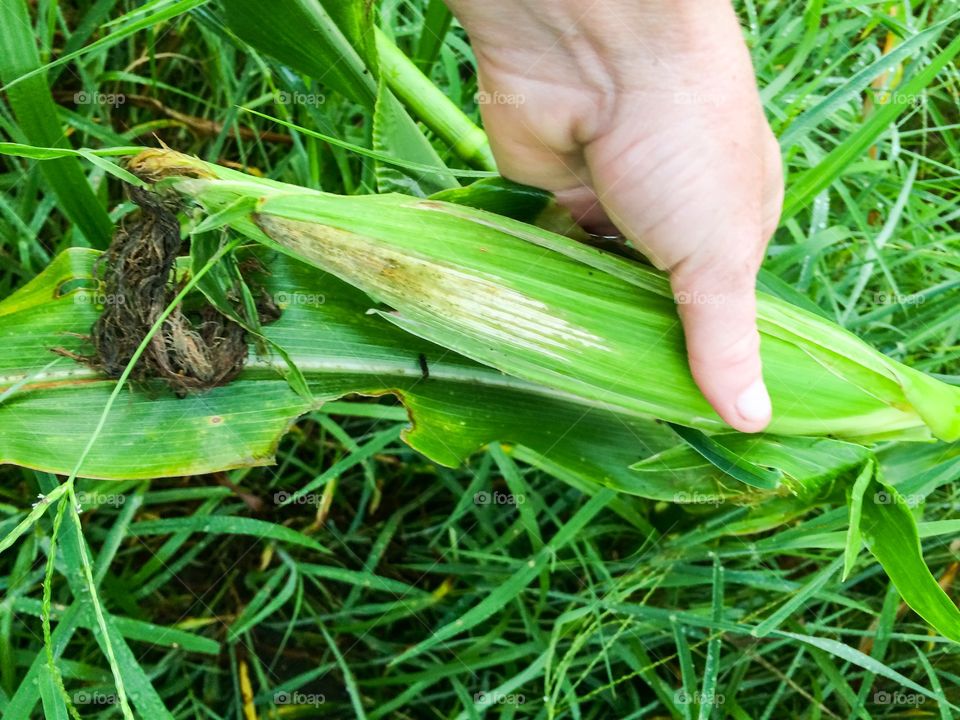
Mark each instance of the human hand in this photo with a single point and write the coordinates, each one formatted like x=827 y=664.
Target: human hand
x=644 y=115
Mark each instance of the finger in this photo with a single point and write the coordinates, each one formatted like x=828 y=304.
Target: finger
x=717 y=304
x=528 y=148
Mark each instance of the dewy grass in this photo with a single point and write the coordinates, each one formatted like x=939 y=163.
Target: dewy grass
x=545 y=308
x=633 y=599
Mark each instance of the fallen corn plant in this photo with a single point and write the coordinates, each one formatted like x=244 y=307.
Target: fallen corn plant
x=559 y=318
x=545 y=308
x=604 y=330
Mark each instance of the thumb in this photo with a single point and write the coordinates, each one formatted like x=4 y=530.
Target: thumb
x=718 y=307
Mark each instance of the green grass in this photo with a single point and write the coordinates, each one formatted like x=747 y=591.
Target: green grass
x=429 y=603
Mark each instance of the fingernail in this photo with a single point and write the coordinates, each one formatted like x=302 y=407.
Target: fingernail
x=754 y=403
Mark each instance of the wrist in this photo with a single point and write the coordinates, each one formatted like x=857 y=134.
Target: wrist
x=618 y=50
x=623 y=42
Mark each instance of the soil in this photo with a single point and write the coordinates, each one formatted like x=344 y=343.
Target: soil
x=192 y=351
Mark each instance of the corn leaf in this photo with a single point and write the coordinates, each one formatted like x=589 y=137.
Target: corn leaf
x=890 y=530
x=457 y=409
x=392 y=130
x=334 y=43
x=329 y=41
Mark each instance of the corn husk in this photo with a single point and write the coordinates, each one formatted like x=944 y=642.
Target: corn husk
x=545 y=308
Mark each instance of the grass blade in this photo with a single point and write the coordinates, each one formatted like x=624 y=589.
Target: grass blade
x=38 y=120
x=804 y=188
x=517 y=582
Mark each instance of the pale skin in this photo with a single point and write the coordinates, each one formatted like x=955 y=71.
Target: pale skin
x=643 y=116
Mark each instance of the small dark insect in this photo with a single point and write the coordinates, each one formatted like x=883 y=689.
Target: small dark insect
x=424 y=370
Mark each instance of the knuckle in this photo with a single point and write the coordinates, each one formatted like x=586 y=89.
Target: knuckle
x=730 y=274
x=737 y=352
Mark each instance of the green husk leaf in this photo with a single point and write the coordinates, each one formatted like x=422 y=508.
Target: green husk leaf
x=891 y=534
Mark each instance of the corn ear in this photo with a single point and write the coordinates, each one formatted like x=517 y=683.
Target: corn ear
x=547 y=309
